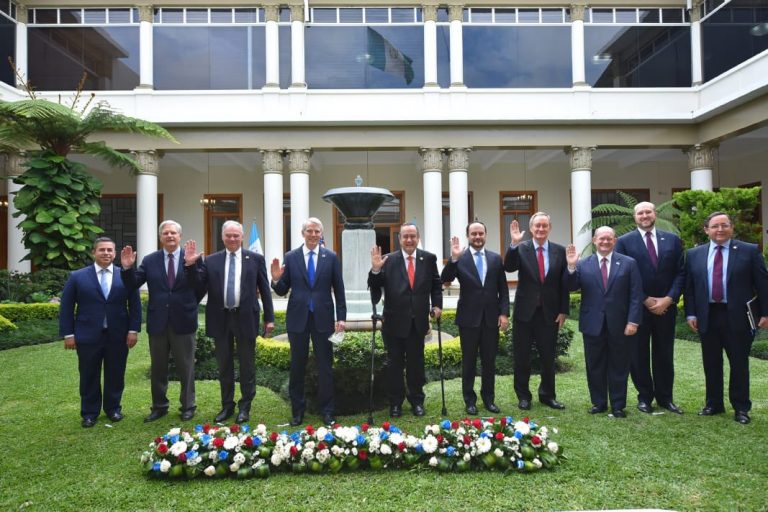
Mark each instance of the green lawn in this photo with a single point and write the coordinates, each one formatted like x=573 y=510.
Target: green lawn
x=662 y=461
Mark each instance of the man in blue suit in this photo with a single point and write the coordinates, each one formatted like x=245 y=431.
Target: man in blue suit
x=660 y=258
x=721 y=277
x=234 y=278
x=171 y=317
x=102 y=331
x=611 y=309
x=482 y=310
x=313 y=276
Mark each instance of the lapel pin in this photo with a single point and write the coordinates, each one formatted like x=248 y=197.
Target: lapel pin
x=421 y=258
x=618 y=263
x=662 y=238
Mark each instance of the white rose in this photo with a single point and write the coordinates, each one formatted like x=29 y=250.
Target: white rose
x=537 y=463
x=467 y=457
x=552 y=446
x=433 y=461
x=320 y=433
x=214 y=456
x=483 y=445
x=178 y=448
x=522 y=427
x=210 y=471
x=322 y=456
x=234 y=467
x=145 y=457
x=396 y=439
x=174 y=432
x=429 y=444
x=239 y=458
x=276 y=459
x=497 y=452
x=385 y=449
x=165 y=466
x=230 y=443
x=307 y=454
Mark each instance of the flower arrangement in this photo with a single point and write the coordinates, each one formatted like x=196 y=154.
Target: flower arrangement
x=491 y=444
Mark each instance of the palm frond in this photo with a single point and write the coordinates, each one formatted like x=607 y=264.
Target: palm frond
x=110 y=155
x=103 y=118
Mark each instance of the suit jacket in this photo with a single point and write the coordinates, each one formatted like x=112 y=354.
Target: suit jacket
x=175 y=308
x=618 y=304
x=403 y=305
x=253 y=282
x=746 y=277
x=327 y=276
x=122 y=308
x=668 y=278
x=478 y=300
x=552 y=294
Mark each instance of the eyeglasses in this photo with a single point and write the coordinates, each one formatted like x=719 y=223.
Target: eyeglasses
x=720 y=226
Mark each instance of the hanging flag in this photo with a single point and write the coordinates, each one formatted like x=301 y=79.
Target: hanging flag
x=384 y=56
x=255 y=242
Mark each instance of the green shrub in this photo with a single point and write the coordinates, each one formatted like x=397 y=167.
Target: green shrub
x=738 y=203
x=30 y=332
x=21 y=312
x=575 y=304
x=760 y=349
x=6 y=325
x=32 y=287
x=451 y=353
x=562 y=345
x=270 y=352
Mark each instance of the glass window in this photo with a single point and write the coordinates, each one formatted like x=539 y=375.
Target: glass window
x=323 y=15
x=70 y=16
x=402 y=15
x=507 y=56
x=350 y=15
x=528 y=15
x=732 y=35
x=364 y=57
x=506 y=16
x=442 y=15
x=172 y=15
x=637 y=56
x=7 y=49
x=197 y=16
x=551 y=15
x=376 y=15
x=221 y=15
x=284 y=33
x=609 y=196
x=515 y=206
x=97 y=16
x=649 y=16
x=626 y=16
x=46 y=16
x=480 y=15
x=444 y=55
x=245 y=16
x=109 y=55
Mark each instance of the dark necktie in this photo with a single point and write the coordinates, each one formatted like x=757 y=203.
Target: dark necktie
x=479 y=265
x=411 y=271
x=717 y=276
x=171 y=271
x=604 y=272
x=651 y=249
x=311 y=276
x=540 y=259
x=230 y=303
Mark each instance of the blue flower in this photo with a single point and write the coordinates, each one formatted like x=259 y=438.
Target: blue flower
x=532 y=425
x=484 y=434
x=191 y=454
x=174 y=439
x=383 y=435
x=205 y=439
x=419 y=448
x=509 y=420
x=156 y=466
x=198 y=428
x=394 y=430
x=223 y=455
x=520 y=464
x=328 y=437
x=360 y=439
x=450 y=451
x=446 y=424
x=295 y=437
x=246 y=428
x=256 y=441
x=518 y=434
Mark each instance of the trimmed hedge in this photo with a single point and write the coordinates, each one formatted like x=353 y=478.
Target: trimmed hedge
x=20 y=312
x=6 y=325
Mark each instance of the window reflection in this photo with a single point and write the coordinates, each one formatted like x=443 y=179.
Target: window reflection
x=7 y=49
x=732 y=35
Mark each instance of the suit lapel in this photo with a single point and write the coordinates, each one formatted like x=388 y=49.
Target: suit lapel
x=468 y=260
x=94 y=277
x=244 y=269
x=420 y=271
x=615 y=269
x=733 y=255
x=322 y=262
x=299 y=255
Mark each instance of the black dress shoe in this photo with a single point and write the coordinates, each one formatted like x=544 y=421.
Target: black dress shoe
x=644 y=407
x=524 y=404
x=297 y=420
x=155 y=415
x=243 y=417
x=188 y=415
x=90 y=422
x=418 y=410
x=671 y=407
x=619 y=413
x=740 y=416
x=597 y=409
x=554 y=404
x=328 y=419
x=395 y=411
x=224 y=415
x=492 y=408
x=115 y=416
x=472 y=409
x=711 y=411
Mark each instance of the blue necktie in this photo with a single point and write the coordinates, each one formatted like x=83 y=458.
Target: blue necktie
x=311 y=276
x=105 y=291
x=230 y=302
x=479 y=265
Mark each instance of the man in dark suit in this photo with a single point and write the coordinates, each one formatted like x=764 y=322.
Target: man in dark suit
x=410 y=281
x=611 y=309
x=541 y=306
x=482 y=310
x=171 y=317
x=721 y=277
x=234 y=278
x=313 y=276
x=102 y=330
x=660 y=258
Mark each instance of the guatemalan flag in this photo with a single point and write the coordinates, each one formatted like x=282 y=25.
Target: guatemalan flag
x=255 y=241
x=384 y=56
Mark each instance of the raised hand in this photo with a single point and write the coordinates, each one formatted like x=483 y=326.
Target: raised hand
x=127 y=257
x=571 y=256
x=514 y=232
x=456 y=249
x=377 y=260
x=190 y=253
x=276 y=270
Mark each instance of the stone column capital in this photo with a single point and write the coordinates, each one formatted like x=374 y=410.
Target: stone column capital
x=298 y=160
x=13 y=163
x=271 y=12
x=146 y=12
x=458 y=159
x=456 y=12
x=149 y=161
x=22 y=14
x=431 y=159
x=272 y=161
x=297 y=12
x=429 y=12
x=577 y=12
x=695 y=11
x=581 y=157
x=701 y=156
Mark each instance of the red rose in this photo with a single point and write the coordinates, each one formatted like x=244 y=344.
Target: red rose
x=467 y=440
x=401 y=446
x=365 y=427
x=206 y=428
x=294 y=451
x=503 y=420
x=310 y=429
x=162 y=449
x=249 y=441
x=440 y=439
x=362 y=454
x=385 y=426
x=336 y=425
x=525 y=419
x=320 y=446
x=273 y=436
x=455 y=425
x=235 y=428
x=477 y=423
x=466 y=421
x=218 y=442
x=499 y=435
x=158 y=440
x=536 y=440
x=491 y=420
x=182 y=457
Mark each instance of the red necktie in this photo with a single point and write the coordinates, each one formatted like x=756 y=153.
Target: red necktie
x=411 y=271
x=540 y=258
x=717 y=276
x=651 y=249
x=604 y=272
x=171 y=271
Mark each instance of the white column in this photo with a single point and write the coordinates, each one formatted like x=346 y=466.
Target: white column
x=298 y=167
x=581 y=194
x=577 y=45
x=16 y=249
x=272 y=164
x=146 y=203
x=701 y=161
x=22 y=66
x=455 y=14
x=429 y=13
x=272 y=46
x=146 y=59
x=432 y=232
x=458 y=166
x=696 y=63
x=297 y=46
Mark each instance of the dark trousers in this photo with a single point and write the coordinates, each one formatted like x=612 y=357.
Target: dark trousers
x=543 y=332
x=324 y=358
x=737 y=342
x=246 y=356
x=607 y=361
x=182 y=346
x=652 y=363
x=406 y=353
x=485 y=339
x=112 y=354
